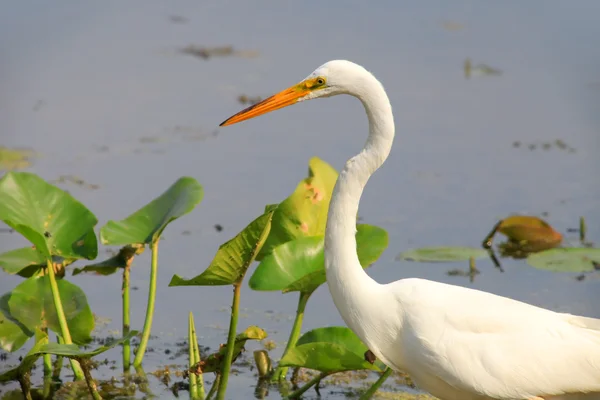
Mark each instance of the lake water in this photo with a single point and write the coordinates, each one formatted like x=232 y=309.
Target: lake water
x=102 y=92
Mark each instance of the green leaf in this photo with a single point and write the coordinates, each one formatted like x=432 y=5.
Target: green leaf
x=147 y=224
x=24 y=261
x=442 y=254
x=298 y=265
x=73 y=351
x=331 y=349
x=233 y=257
x=304 y=212
x=212 y=363
x=13 y=334
x=47 y=216
x=31 y=302
x=28 y=361
x=572 y=259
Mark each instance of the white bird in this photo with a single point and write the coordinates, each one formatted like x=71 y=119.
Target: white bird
x=456 y=343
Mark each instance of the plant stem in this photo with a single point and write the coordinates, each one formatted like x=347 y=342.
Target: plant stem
x=25 y=382
x=214 y=386
x=281 y=372
x=62 y=320
x=192 y=355
x=308 y=385
x=126 y=322
x=230 y=341
x=58 y=362
x=139 y=356
x=196 y=353
x=89 y=380
x=369 y=393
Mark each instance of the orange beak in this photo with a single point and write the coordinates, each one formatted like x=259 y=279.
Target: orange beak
x=282 y=99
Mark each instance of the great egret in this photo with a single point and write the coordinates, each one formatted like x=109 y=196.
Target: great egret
x=456 y=343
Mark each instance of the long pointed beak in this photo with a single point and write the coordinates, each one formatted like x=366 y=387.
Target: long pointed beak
x=282 y=99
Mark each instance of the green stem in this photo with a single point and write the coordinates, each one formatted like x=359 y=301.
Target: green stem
x=369 y=393
x=24 y=381
x=58 y=362
x=192 y=356
x=139 y=356
x=196 y=353
x=230 y=341
x=281 y=372
x=90 y=381
x=296 y=394
x=214 y=387
x=62 y=320
x=126 y=323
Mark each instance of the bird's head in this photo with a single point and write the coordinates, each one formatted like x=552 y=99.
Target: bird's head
x=330 y=79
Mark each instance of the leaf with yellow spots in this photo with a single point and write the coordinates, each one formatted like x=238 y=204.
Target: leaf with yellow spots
x=304 y=212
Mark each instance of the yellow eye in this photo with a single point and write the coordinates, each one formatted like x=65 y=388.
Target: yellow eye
x=320 y=81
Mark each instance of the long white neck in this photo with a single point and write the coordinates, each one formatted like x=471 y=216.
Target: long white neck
x=345 y=276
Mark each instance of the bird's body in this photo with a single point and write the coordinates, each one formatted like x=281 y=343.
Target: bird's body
x=456 y=343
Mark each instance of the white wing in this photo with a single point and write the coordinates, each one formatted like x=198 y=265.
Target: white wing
x=497 y=347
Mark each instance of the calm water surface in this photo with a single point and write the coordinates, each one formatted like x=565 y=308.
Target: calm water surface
x=101 y=92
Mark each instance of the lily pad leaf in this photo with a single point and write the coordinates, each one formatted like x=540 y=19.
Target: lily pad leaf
x=212 y=363
x=304 y=212
x=47 y=216
x=73 y=351
x=572 y=259
x=147 y=224
x=331 y=349
x=525 y=228
x=24 y=261
x=299 y=265
x=442 y=254
x=31 y=302
x=28 y=361
x=233 y=257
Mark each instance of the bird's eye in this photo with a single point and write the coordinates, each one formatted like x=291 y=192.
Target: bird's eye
x=320 y=81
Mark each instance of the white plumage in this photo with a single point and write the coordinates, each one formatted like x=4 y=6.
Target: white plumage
x=456 y=343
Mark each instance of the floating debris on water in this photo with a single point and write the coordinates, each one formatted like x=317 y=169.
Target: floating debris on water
x=452 y=26
x=178 y=19
x=219 y=51
x=75 y=180
x=558 y=144
x=243 y=99
x=11 y=159
x=479 y=70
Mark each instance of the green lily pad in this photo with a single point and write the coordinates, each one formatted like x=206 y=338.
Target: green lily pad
x=28 y=361
x=147 y=224
x=331 y=349
x=304 y=212
x=24 y=261
x=442 y=254
x=213 y=362
x=233 y=257
x=47 y=216
x=31 y=302
x=73 y=351
x=572 y=259
x=299 y=265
